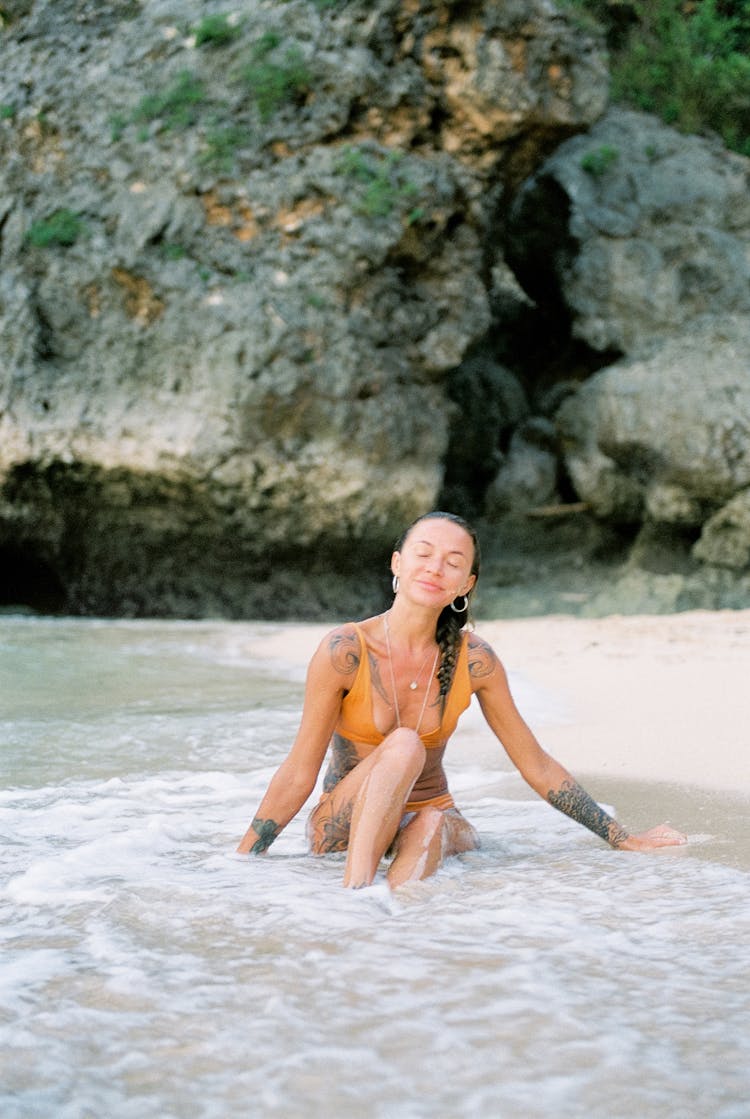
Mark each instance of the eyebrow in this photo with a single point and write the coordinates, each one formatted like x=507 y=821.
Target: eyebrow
x=452 y=552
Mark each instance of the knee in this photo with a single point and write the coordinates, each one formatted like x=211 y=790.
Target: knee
x=407 y=747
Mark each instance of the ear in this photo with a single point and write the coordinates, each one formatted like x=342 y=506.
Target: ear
x=469 y=584
x=395 y=562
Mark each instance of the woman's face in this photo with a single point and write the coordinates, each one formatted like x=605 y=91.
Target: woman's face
x=435 y=561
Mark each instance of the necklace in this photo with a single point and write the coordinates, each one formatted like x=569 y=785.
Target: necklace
x=412 y=685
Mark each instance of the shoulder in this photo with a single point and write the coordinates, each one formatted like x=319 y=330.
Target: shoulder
x=341 y=648
x=483 y=661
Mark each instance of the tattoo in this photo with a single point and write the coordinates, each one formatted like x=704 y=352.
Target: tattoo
x=344 y=757
x=575 y=802
x=336 y=829
x=482 y=659
x=344 y=650
x=266 y=831
x=377 y=683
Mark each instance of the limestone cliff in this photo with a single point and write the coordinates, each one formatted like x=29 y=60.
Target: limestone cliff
x=275 y=278
x=241 y=253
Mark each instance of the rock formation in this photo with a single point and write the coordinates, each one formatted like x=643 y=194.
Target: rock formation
x=651 y=261
x=274 y=280
x=239 y=259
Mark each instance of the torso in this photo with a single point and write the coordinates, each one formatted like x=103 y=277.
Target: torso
x=368 y=712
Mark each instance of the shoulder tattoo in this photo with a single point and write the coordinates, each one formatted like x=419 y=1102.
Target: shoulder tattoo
x=482 y=659
x=344 y=651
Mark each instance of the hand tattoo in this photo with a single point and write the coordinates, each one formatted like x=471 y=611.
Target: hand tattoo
x=266 y=831
x=575 y=802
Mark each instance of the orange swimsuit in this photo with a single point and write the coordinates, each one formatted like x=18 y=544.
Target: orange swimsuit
x=357 y=725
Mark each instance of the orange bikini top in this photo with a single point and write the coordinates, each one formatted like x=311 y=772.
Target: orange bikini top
x=356 y=720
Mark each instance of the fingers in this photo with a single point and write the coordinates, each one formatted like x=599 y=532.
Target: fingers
x=663 y=835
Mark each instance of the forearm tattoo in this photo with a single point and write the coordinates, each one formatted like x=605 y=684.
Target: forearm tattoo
x=266 y=831
x=575 y=802
x=482 y=659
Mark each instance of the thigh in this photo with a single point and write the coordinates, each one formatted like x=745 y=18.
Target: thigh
x=455 y=831
x=329 y=823
x=458 y=834
x=398 y=760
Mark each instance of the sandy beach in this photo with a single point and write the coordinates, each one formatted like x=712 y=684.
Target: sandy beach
x=662 y=698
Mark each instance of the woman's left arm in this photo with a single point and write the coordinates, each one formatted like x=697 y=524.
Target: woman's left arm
x=545 y=775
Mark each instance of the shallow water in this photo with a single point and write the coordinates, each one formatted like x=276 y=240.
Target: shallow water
x=148 y=971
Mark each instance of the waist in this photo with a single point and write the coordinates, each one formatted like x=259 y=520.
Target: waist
x=443 y=801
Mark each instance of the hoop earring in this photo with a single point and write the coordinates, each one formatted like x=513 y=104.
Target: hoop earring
x=394 y=584
x=460 y=609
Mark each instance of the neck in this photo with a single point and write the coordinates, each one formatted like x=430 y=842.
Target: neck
x=414 y=627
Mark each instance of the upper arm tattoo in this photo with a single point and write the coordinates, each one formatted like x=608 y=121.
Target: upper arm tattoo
x=482 y=659
x=344 y=652
x=575 y=802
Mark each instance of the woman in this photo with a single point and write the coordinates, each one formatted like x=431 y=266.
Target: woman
x=386 y=695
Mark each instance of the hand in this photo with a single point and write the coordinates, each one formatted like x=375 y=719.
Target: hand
x=663 y=835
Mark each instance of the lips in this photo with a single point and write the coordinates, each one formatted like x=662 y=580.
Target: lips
x=429 y=586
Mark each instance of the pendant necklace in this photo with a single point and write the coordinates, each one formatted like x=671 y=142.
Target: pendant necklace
x=413 y=683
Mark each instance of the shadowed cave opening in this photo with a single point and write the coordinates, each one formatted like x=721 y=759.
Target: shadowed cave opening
x=26 y=581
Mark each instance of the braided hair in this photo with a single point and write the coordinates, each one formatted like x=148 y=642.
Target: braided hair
x=450 y=623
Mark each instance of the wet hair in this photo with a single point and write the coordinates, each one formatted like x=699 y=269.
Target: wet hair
x=450 y=624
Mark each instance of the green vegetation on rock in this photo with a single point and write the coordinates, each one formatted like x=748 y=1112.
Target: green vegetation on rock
x=273 y=82
x=222 y=141
x=63 y=227
x=382 y=183
x=216 y=30
x=177 y=106
x=599 y=160
x=688 y=63
x=272 y=73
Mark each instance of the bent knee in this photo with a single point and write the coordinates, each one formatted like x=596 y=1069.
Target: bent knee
x=406 y=744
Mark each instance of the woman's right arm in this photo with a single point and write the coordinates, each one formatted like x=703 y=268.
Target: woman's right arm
x=295 y=778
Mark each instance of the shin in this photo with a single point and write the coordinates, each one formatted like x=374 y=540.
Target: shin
x=379 y=803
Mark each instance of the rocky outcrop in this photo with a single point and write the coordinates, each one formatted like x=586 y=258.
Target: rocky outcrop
x=667 y=436
x=635 y=230
x=640 y=238
x=240 y=257
x=275 y=280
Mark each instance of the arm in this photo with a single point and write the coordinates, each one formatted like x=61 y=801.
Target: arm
x=545 y=775
x=328 y=675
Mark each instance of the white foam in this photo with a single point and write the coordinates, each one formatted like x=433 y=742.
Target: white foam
x=148 y=970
